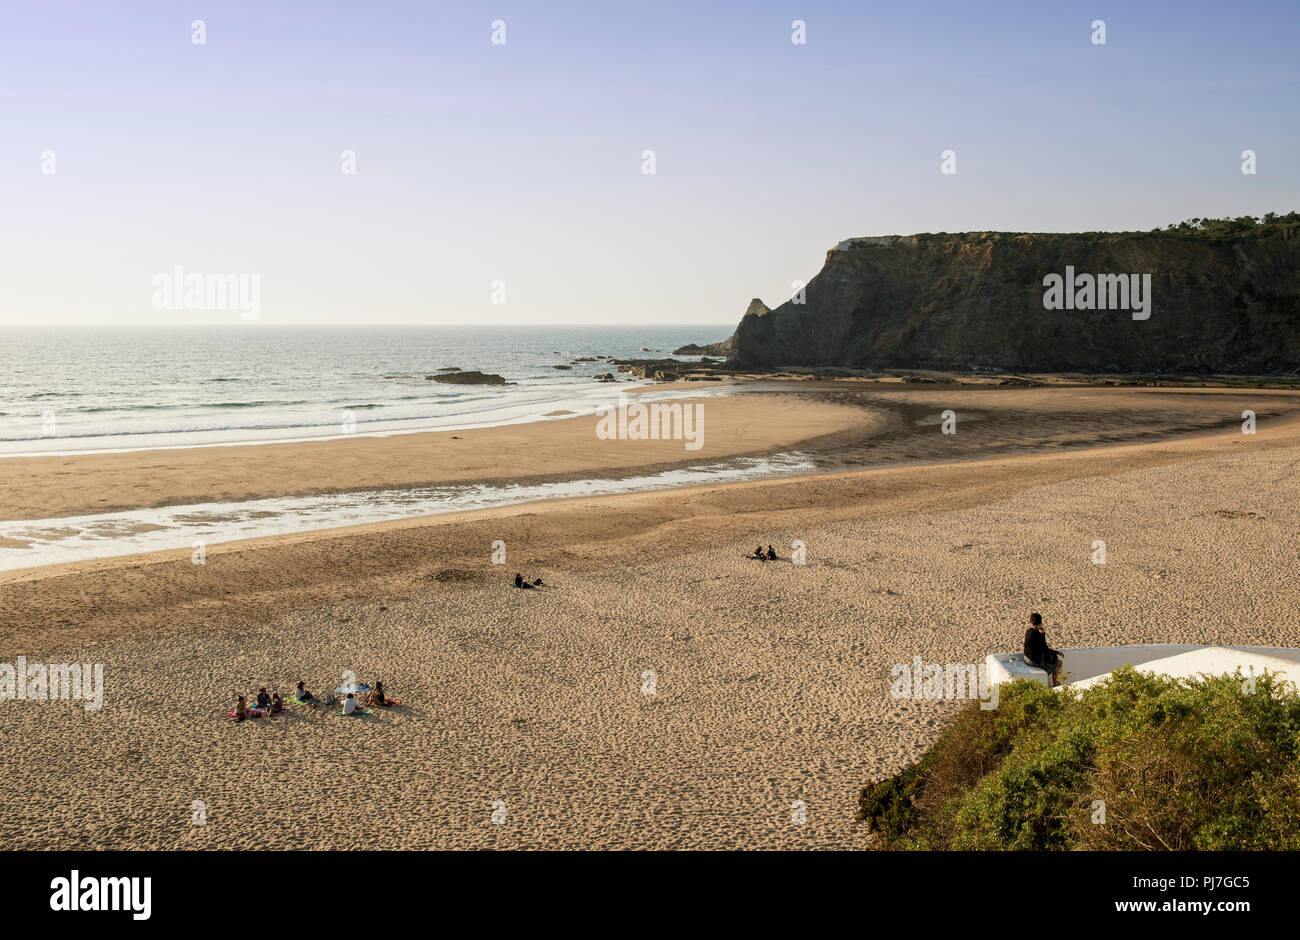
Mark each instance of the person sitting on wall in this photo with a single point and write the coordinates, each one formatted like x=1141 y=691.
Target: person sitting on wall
x=1038 y=653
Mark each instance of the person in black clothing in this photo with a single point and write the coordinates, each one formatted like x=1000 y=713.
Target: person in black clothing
x=758 y=553
x=520 y=582
x=1038 y=653
x=771 y=553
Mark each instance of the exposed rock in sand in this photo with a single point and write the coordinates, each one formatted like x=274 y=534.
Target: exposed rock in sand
x=661 y=370
x=468 y=378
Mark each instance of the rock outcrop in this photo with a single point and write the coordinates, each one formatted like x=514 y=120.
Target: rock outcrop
x=665 y=370
x=975 y=301
x=467 y=378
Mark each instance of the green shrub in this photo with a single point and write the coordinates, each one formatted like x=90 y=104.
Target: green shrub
x=1270 y=225
x=1204 y=764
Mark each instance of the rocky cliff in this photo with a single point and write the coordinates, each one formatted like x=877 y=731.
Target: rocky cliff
x=976 y=301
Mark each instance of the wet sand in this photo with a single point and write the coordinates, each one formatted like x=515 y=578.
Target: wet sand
x=563 y=449
x=839 y=425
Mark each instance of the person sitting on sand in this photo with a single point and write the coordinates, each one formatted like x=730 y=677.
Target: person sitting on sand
x=376 y=696
x=277 y=704
x=263 y=700
x=241 y=709
x=771 y=553
x=302 y=695
x=758 y=553
x=1038 y=653
x=520 y=582
x=349 y=704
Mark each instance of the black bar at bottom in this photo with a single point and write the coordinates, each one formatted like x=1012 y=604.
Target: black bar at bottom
x=366 y=891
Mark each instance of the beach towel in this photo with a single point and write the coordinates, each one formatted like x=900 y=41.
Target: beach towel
x=359 y=711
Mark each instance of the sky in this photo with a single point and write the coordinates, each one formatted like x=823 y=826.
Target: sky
x=514 y=171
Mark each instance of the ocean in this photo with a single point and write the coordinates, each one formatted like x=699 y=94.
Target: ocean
x=72 y=390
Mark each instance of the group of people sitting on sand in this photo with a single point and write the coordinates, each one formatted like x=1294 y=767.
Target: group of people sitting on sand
x=375 y=698
x=267 y=704
x=271 y=703
x=770 y=555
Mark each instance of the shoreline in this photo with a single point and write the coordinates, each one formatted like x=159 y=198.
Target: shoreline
x=555 y=450
x=762 y=431
x=393 y=425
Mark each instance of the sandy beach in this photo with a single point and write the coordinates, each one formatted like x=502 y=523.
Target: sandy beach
x=663 y=691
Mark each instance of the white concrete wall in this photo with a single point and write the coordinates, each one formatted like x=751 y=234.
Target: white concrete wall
x=1084 y=667
x=1216 y=661
x=1081 y=663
